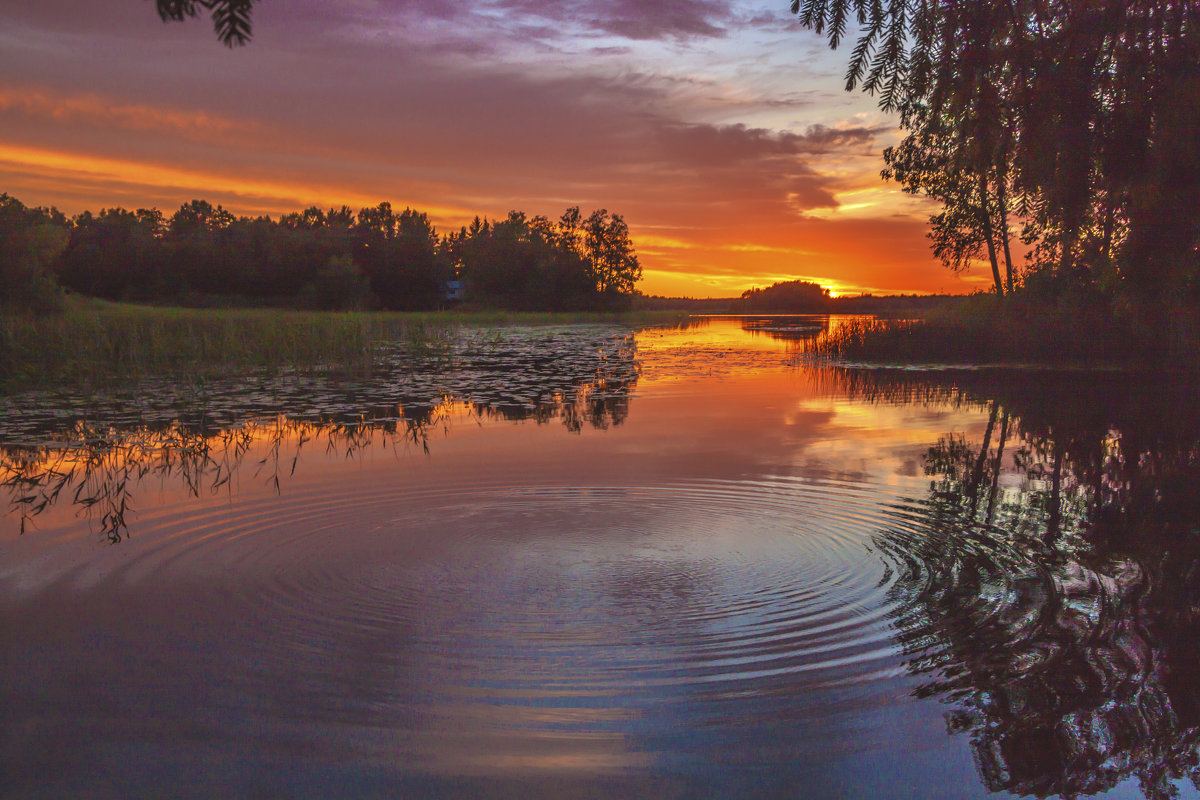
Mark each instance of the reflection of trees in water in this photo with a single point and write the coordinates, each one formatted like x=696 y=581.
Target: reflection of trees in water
x=794 y=329
x=600 y=404
x=1051 y=588
x=96 y=465
x=99 y=471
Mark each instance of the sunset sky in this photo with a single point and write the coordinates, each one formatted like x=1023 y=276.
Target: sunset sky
x=719 y=129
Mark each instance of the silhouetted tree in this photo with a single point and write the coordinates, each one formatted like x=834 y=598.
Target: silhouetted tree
x=115 y=254
x=1088 y=109
x=537 y=264
x=794 y=296
x=398 y=253
x=339 y=285
x=974 y=216
x=338 y=258
x=609 y=253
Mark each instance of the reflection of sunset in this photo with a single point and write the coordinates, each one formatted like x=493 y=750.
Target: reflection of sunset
x=102 y=472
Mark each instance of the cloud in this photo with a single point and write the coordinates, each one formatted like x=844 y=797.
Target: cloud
x=611 y=51
x=483 y=139
x=738 y=143
x=673 y=113
x=633 y=19
x=239 y=191
x=110 y=112
x=495 y=29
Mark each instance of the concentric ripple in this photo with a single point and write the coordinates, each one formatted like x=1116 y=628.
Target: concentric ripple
x=552 y=611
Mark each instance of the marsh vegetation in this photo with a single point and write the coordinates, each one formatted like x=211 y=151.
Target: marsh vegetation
x=94 y=342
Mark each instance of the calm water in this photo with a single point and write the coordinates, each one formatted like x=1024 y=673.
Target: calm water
x=590 y=561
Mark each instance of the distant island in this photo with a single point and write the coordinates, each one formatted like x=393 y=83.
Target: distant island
x=801 y=297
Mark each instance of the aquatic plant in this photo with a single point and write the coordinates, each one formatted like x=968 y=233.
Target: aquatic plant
x=97 y=342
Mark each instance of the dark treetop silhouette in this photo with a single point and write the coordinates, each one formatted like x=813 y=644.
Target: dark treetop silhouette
x=231 y=18
x=334 y=259
x=1079 y=117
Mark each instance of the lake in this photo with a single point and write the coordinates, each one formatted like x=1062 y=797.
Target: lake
x=596 y=561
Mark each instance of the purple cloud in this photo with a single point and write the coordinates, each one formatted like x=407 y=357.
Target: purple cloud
x=634 y=19
x=739 y=143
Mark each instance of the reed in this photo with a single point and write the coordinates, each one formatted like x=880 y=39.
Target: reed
x=93 y=341
x=987 y=332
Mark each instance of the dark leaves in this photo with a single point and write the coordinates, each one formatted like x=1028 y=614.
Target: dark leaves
x=231 y=18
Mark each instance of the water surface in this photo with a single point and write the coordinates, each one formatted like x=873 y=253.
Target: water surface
x=582 y=560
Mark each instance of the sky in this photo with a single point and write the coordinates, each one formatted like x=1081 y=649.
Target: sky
x=719 y=129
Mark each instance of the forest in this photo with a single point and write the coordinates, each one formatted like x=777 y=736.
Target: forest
x=334 y=259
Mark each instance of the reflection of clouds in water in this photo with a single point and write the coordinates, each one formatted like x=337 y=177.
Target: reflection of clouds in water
x=687 y=609
x=870 y=443
x=463 y=627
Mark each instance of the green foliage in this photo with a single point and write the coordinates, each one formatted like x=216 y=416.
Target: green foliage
x=339 y=286
x=30 y=240
x=98 y=342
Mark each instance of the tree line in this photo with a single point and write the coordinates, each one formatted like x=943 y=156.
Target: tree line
x=324 y=259
x=1071 y=124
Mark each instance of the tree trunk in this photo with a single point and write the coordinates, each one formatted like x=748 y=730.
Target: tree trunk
x=1004 y=234
x=1110 y=225
x=988 y=234
x=1054 y=502
x=976 y=479
x=996 y=470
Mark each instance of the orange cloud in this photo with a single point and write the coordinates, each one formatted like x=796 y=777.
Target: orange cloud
x=108 y=178
x=104 y=111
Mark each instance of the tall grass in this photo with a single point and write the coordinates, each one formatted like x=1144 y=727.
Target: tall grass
x=93 y=341
x=988 y=331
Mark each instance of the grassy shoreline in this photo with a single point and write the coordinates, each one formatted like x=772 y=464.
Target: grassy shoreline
x=985 y=331
x=98 y=342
